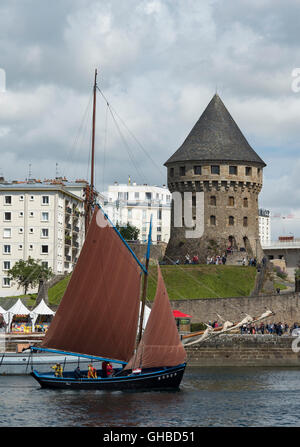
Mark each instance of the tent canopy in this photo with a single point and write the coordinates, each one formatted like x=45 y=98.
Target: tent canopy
x=4 y=314
x=18 y=309
x=41 y=309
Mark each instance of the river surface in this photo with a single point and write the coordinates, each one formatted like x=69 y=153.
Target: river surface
x=208 y=397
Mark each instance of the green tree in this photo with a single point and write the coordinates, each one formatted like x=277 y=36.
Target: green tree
x=29 y=273
x=129 y=233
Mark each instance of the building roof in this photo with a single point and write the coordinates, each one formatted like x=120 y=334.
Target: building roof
x=216 y=137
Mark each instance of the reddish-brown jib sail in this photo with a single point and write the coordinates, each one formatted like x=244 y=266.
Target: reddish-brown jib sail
x=160 y=344
x=98 y=314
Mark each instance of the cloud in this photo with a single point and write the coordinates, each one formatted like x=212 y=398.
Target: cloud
x=159 y=62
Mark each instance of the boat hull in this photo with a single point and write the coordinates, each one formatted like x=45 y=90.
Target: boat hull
x=162 y=379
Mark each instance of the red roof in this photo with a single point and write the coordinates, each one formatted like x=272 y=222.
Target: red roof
x=178 y=314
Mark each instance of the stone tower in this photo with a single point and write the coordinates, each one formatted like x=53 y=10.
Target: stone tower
x=217 y=160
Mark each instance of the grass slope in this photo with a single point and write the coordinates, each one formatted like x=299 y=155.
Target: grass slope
x=204 y=281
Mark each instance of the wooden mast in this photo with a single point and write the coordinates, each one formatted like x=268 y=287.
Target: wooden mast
x=89 y=196
x=145 y=284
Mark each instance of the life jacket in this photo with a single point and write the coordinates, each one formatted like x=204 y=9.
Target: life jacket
x=109 y=370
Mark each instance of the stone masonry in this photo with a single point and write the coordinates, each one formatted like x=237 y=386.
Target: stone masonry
x=217 y=160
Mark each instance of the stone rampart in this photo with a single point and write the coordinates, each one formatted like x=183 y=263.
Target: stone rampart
x=286 y=307
x=244 y=350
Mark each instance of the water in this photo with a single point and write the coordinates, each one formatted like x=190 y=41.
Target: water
x=208 y=397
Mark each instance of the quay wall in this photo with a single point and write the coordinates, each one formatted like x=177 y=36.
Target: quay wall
x=286 y=307
x=244 y=350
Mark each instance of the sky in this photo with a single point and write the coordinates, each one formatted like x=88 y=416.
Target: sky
x=159 y=64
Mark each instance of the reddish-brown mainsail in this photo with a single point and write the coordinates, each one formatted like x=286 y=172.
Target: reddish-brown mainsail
x=160 y=344
x=98 y=314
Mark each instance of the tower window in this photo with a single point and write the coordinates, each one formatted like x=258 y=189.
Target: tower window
x=248 y=170
x=215 y=169
x=182 y=170
x=212 y=220
x=245 y=202
x=197 y=170
x=230 y=201
x=213 y=201
x=231 y=220
x=171 y=172
x=245 y=221
x=233 y=170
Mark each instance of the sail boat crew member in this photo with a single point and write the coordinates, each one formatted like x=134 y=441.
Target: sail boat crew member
x=58 y=371
x=92 y=373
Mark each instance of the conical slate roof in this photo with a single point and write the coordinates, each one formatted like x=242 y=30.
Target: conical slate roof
x=216 y=137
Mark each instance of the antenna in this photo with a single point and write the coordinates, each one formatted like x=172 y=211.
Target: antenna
x=29 y=172
x=56 y=170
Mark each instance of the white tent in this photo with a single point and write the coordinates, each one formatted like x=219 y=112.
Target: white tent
x=17 y=309
x=40 y=309
x=4 y=313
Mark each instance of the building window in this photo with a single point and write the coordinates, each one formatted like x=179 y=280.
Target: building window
x=21 y=198
x=158 y=229
x=31 y=230
x=245 y=202
x=130 y=213
x=7 y=216
x=20 y=247
x=148 y=195
x=248 y=170
x=7 y=200
x=21 y=230
x=44 y=248
x=45 y=232
x=45 y=217
x=6 y=265
x=30 y=247
x=233 y=170
x=197 y=170
x=193 y=200
x=136 y=195
x=213 y=200
x=231 y=220
x=215 y=169
x=158 y=237
x=6 y=232
x=6 y=249
x=21 y=214
x=31 y=197
x=182 y=170
x=45 y=264
x=230 y=201
x=168 y=198
x=212 y=220
x=245 y=221
x=159 y=214
x=45 y=200
x=6 y=282
x=258 y=171
x=171 y=172
x=31 y=214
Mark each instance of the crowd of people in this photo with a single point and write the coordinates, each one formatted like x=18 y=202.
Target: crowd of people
x=269 y=328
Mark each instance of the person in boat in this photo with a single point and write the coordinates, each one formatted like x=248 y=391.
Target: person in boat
x=92 y=373
x=107 y=369
x=58 y=371
x=77 y=373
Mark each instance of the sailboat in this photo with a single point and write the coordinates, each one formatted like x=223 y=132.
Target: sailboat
x=97 y=318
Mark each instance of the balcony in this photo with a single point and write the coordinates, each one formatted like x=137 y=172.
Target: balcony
x=68 y=258
x=75 y=244
x=68 y=210
x=68 y=226
x=67 y=241
x=75 y=229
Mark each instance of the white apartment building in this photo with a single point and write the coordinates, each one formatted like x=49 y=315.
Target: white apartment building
x=43 y=220
x=135 y=204
x=264 y=226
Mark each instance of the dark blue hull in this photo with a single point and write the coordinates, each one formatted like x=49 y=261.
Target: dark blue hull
x=152 y=379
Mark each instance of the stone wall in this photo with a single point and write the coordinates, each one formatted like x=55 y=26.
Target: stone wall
x=286 y=307
x=244 y=350
x=157 y=251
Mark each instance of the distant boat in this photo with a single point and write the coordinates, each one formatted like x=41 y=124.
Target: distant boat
x=98 y=319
